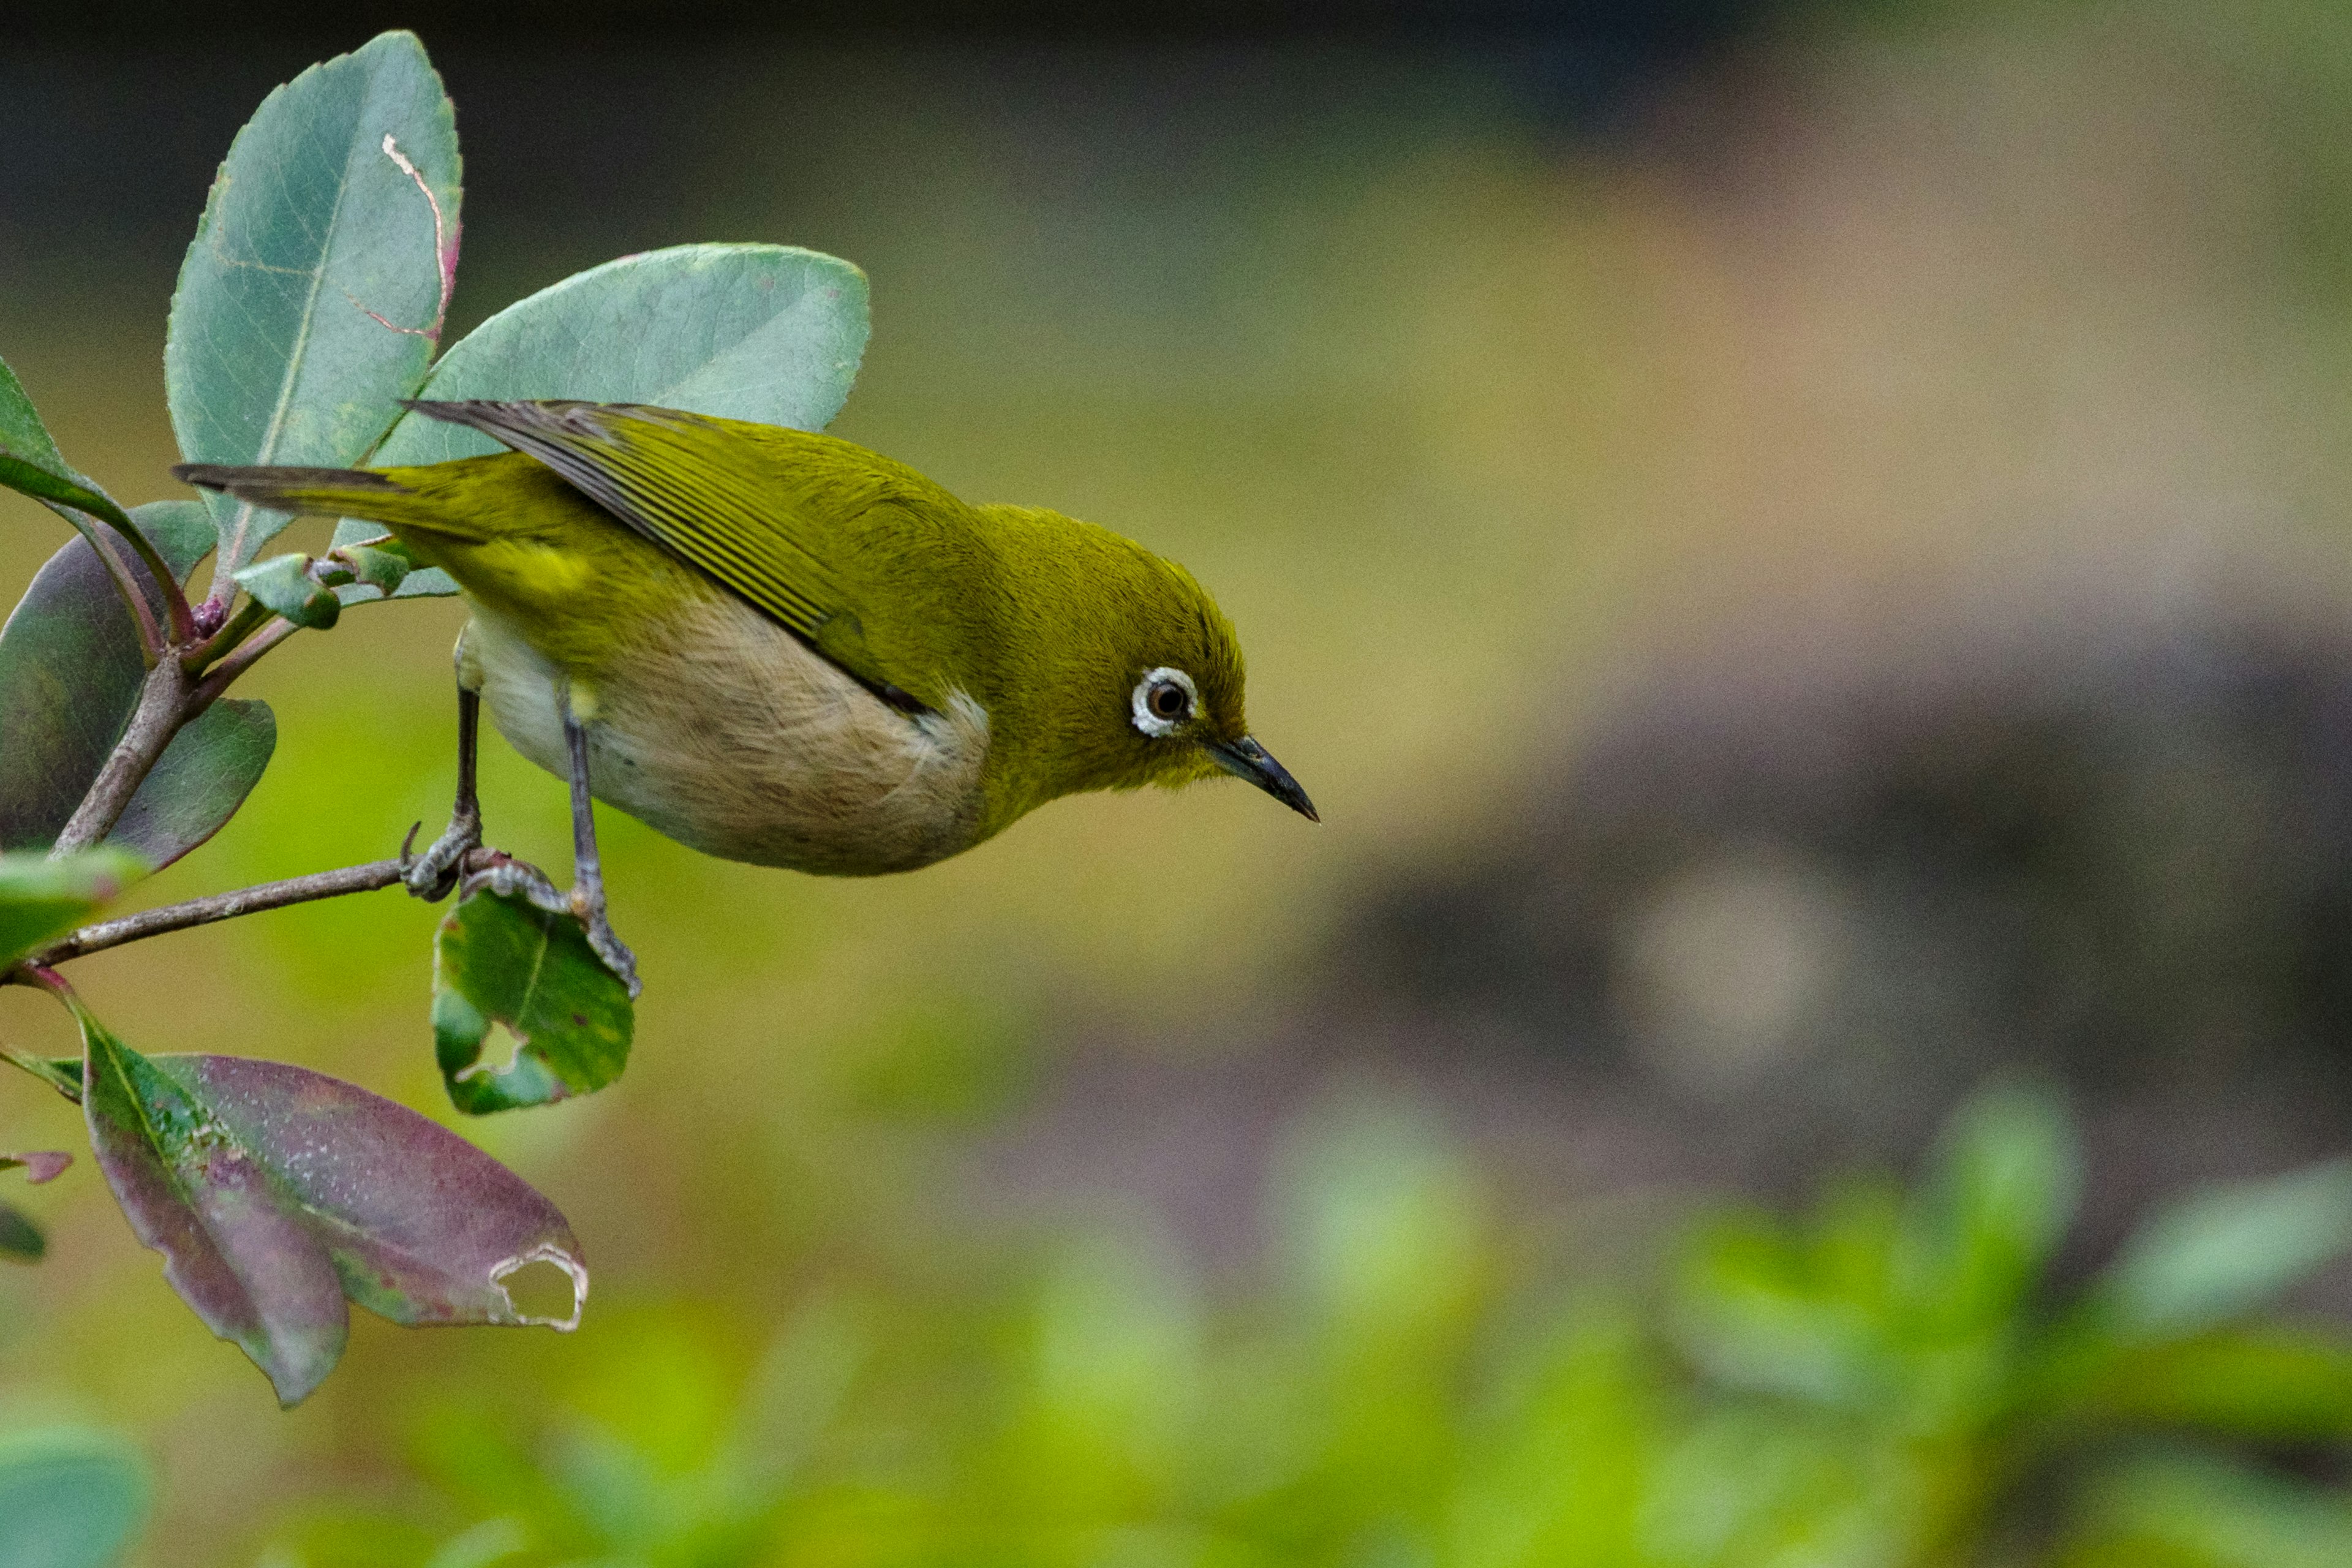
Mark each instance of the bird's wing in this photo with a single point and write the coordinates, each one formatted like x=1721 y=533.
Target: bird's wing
x=721 y=503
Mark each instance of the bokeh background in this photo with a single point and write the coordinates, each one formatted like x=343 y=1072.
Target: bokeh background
x=1804 y=551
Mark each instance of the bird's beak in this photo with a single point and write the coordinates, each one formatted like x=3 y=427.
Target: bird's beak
x=1245 y=758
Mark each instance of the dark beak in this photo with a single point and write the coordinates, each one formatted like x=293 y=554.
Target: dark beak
x=1245 y=758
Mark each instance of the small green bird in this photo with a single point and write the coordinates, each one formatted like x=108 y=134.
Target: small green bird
x=780 y=647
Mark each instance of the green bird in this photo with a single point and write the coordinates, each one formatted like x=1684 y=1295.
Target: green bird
x=781 y=647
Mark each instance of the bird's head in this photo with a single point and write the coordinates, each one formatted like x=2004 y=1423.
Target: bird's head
x=1146 y=676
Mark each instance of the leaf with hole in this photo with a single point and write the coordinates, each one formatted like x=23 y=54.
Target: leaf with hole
x=276 y=1194
x=69 y=1499
x=41 y=899
x=503 y=961
x=315 y=289
x=71 y=668
x=766 y=332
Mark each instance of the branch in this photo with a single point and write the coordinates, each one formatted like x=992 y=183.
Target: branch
x=98 y=937
x=244 y=657
x=162 y=709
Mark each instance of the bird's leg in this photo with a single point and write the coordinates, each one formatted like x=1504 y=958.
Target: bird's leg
x=587 y=869
x=431 y=875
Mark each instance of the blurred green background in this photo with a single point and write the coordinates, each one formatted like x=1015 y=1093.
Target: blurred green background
x=1802 y=552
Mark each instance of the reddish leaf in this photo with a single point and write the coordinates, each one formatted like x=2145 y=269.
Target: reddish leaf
x=43 y=1165
x=275 y=1192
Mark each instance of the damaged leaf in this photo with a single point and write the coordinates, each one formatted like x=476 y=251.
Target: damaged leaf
x=41 y=899
x=504 y=961
x=71 y=667
x=276 y=1195
x=284 y=586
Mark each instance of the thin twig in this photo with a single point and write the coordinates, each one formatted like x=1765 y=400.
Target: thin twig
x=232 y=631
x=98 y=937
x=162 y=709
x=216 y=680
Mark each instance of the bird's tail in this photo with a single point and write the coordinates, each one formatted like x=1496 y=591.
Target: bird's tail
x=331 y=492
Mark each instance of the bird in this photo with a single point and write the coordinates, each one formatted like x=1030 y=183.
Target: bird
x=777 y=646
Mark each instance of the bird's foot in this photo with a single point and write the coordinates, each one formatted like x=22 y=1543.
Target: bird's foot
x=508 y=877
x=433 y=874
x=590 y=912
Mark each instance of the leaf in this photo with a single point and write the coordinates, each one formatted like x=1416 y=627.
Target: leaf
x=274 y=1194
x=69 y=1499
x=31 y=464
x=283 y=585
x=2272 y=1385
x=20 y=1239
x=70 y=669
x=2224 y=1253
x=41 y=899
x=1984 y=1226
x=316 y=287
x=504 y=961
x=765 y=333
x=2183 y=1510
x=40 y=1166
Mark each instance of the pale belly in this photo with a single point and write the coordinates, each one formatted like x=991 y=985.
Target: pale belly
x=734 y=739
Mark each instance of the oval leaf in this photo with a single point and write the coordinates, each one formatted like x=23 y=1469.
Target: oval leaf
x=2230 y=1251
x=69 y=674
x=505 y=961
x=315 y=289
x=69 y=1499
x=766 y=332
x=276 y=1193
x=41 y=899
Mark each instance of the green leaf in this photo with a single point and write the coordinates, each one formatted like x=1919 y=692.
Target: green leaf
x=283 y=585
x=275 y=1192
x=314 y=292
x=504 y=961
x=765 y=333
x=21 y=1240
x=41 y=899
x=2272 y=1385
x=2182 y=1509
x=69 y=1499
x=1985 y=1223
x=2225 y=1253
x=31 y=464
x=71 y=668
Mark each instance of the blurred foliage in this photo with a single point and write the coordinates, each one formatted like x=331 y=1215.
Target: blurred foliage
x=1897 y=1379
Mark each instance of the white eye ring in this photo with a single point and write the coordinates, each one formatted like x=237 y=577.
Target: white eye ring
x=1152 y=723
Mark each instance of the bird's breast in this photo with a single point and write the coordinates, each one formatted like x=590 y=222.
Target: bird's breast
x=723 y=730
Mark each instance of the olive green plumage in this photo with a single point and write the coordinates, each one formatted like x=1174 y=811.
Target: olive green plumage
x=620 y=544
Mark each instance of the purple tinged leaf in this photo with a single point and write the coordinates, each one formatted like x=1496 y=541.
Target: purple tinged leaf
x=41 y=1166
x=504 y=961
x=69 y=672
x=274 y=1194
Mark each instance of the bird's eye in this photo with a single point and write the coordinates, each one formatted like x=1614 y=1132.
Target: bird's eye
x=1163 y=698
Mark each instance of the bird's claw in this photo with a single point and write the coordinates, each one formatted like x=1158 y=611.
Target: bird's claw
x=513 y=879
x=613 y=951
x=434 y=874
